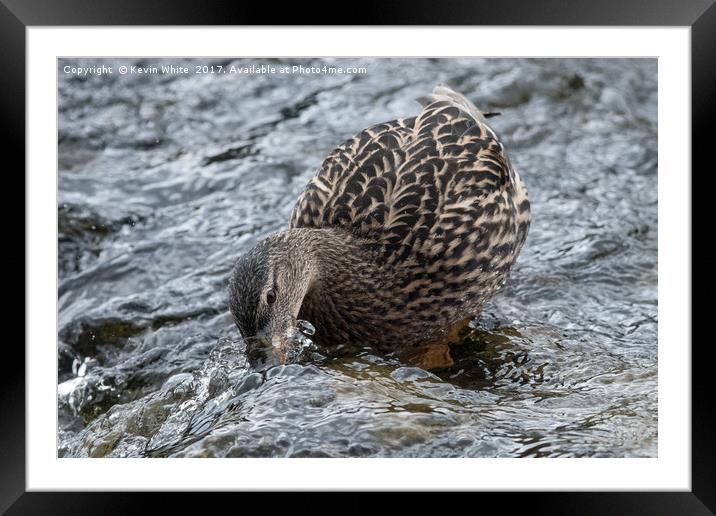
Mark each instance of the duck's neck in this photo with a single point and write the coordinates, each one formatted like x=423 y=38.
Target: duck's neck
x=349 y=293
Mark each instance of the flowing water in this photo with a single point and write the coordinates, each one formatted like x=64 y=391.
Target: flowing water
x=165 y=179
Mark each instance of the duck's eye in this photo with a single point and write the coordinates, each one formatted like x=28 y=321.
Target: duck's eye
x=271 y=296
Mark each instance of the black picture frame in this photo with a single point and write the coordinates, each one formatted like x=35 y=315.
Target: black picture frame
x=17 y=15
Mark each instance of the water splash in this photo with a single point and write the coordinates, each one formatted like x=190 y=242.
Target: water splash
x=303 y=348
x=305 y=327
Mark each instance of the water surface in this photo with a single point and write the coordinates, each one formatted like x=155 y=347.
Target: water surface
x=164 y=180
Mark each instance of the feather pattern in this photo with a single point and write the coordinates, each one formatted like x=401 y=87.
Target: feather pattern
x=435 y=192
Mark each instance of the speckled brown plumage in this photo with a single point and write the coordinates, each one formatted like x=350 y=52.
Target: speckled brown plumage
x=406 y=230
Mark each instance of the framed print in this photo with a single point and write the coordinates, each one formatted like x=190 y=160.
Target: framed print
x=433 y=251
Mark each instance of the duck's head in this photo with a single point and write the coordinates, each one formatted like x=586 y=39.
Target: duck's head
x=266 y=290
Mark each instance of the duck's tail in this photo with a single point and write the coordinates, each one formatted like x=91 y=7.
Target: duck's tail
x=442 y=92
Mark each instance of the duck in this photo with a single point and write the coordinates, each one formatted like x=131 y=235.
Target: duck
x=397 y=242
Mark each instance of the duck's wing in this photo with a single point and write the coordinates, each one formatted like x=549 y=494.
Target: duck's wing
x=419 y=185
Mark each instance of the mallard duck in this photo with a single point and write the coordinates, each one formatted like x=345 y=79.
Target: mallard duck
x=400 y=238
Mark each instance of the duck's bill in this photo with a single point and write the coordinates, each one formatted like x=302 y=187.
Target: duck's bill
x=261 y=353
x=269 y=349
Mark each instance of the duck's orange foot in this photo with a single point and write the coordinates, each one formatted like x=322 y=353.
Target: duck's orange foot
x=436 y=354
